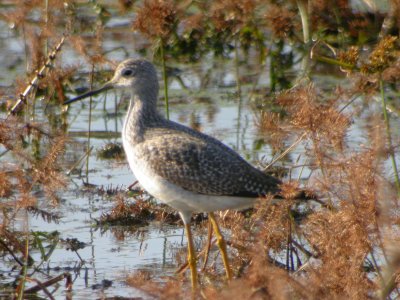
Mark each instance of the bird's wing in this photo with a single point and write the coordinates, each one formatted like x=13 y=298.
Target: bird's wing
x=203 y=165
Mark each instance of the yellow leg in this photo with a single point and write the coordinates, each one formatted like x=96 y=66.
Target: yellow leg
x=207 y=253
x=221 y=245
x=191 y=256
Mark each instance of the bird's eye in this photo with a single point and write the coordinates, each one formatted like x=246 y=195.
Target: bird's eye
x=127 y=72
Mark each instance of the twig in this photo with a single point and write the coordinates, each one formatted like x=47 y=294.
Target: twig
x=286 y=151
x=11 y=252
x=39 y=75
x=389 y=135
x=303 y=249
x=89 y=124
x=82 y=261
x=42 y=285
x=388 y=287
x=79 y=160
x=21 y=285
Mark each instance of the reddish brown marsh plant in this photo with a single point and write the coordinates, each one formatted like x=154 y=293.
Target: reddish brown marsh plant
x=381 y=63
x=347 y=241
x=36 y=34
x=262 y=281
x=349 y=58
x=344 y=236
x=342 y=246
x=282 y=21
x=156 y=19
x=273 y=129
x=381 y=57
x=321 y=120
x=43 y=172
x=339 y=248
x=90 y=47
x=125 y=5
x=172 y=289
x=230 y=17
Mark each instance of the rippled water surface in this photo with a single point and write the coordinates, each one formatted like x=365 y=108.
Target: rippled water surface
x=207 y=100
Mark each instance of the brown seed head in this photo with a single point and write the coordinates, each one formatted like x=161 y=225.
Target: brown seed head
x=156 y=19
x=382 y=57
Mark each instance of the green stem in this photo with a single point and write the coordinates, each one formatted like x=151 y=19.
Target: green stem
x=389 y=135
x=238 y=83
x=239 y=93
x=90 y=125
x=24 y=270
x=335 y=62
x=303 y=10
x=46 y=20
x=165 y=79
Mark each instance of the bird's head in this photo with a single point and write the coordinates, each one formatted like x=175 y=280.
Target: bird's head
x=136 y=76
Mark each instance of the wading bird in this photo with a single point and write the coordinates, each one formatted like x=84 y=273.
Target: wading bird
x=188 y=170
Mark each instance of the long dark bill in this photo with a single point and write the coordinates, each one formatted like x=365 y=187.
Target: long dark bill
x=105 y=87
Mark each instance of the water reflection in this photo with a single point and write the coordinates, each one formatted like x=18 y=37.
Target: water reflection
x=205 y=96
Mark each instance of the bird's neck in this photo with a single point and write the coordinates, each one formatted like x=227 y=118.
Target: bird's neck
x=142 y=114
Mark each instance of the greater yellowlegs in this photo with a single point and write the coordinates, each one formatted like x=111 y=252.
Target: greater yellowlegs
x=186 y=169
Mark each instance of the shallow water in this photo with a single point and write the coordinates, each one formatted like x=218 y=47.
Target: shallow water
x=107 y=256
x=112 y=255
x=213 y=108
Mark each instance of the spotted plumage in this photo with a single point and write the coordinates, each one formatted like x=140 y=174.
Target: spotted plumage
x=201 y=164
x=188 y=170
x=179 y=157
x=184 y=168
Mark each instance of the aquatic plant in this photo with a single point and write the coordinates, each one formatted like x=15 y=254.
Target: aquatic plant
x=157 y=20
x=342 y=245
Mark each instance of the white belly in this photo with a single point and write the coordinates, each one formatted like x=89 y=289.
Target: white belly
x=177 y=197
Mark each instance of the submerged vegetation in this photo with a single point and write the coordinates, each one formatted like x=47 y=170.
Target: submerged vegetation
x=345 y=244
